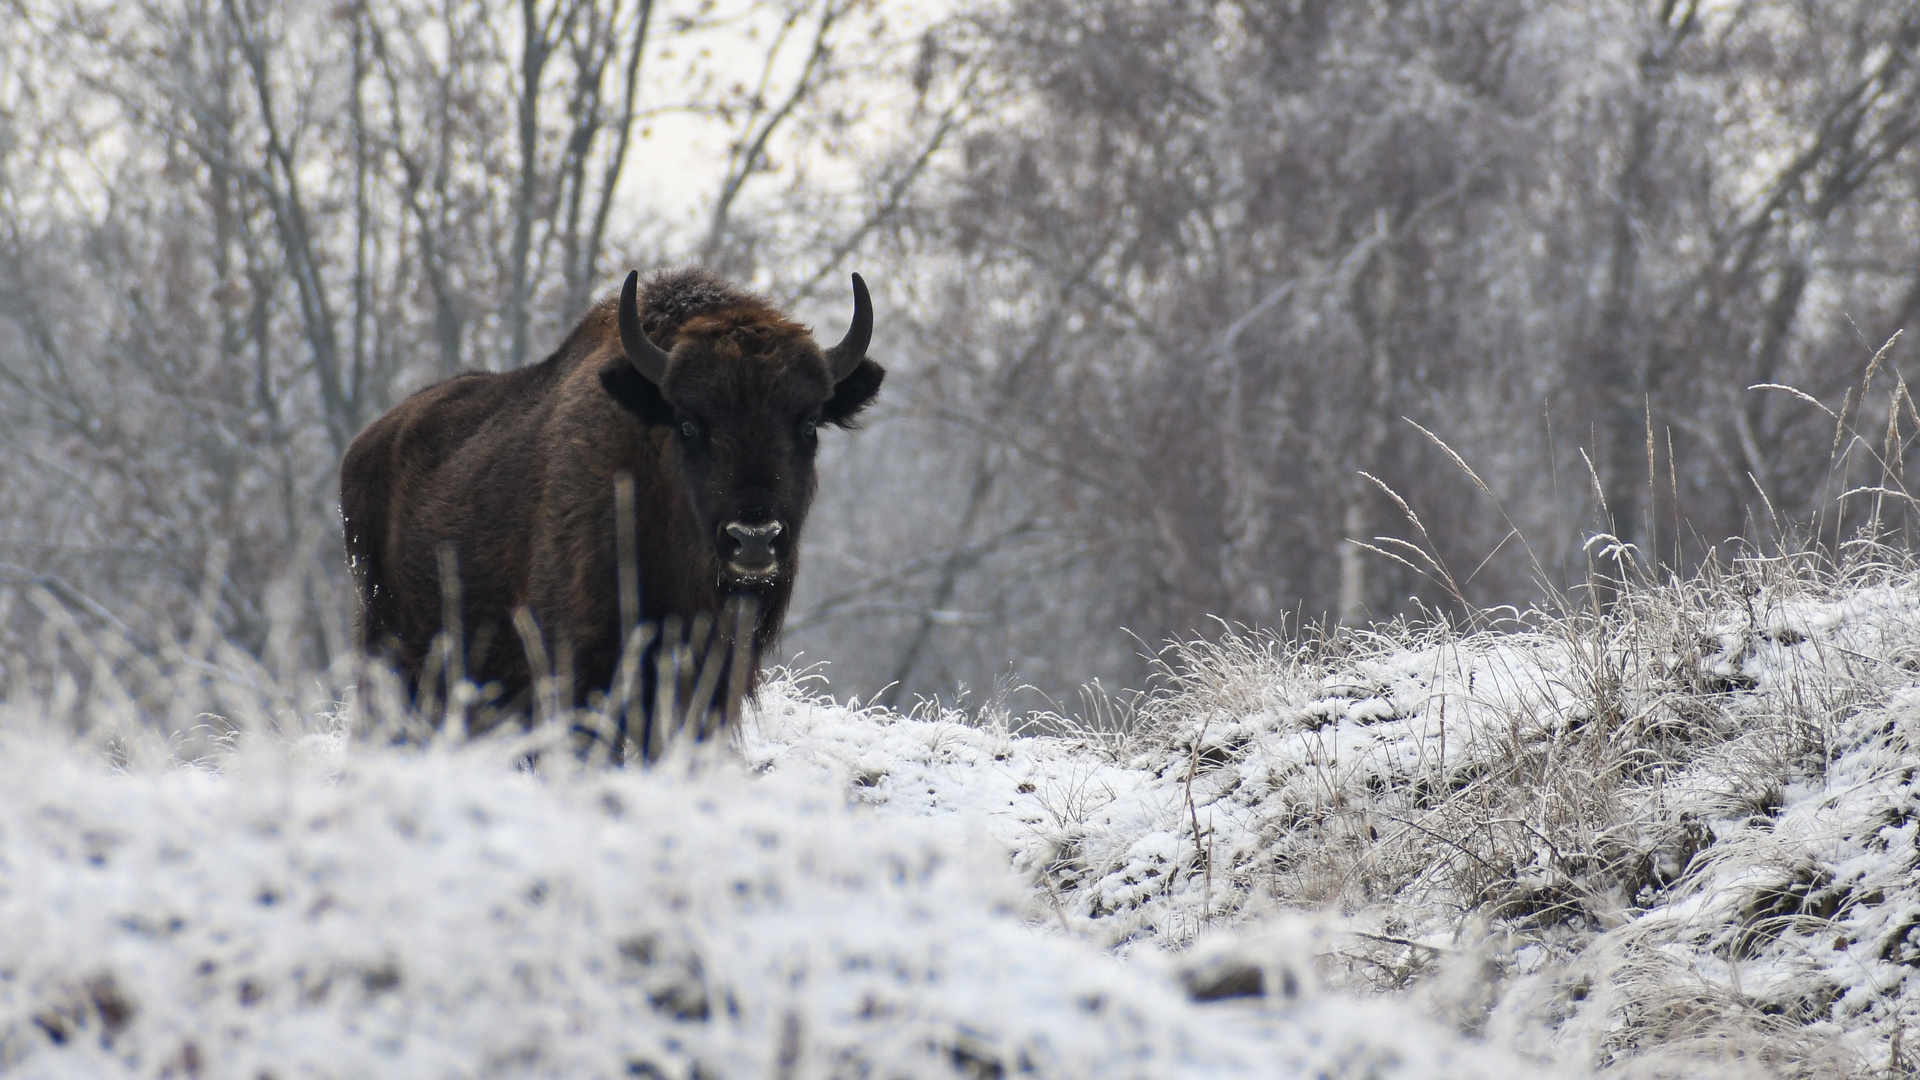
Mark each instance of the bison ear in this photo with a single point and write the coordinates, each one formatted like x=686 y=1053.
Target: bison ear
x=635 y=393
x=854 y=393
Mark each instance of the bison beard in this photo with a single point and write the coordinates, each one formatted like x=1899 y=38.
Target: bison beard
x=676 y=423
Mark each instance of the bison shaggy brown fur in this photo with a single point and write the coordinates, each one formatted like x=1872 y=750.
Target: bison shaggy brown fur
x=501 y=489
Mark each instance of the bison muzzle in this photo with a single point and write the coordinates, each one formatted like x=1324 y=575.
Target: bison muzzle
x=522 y=529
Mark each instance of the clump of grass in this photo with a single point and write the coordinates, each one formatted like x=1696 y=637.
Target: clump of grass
x=1545 y=796
x=1609 y=806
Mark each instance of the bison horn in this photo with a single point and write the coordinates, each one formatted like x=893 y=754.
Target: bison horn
x=844 y=357
x=648 y=359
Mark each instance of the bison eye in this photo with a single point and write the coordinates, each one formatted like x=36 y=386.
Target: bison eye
x=689 y=430
x=809 y=428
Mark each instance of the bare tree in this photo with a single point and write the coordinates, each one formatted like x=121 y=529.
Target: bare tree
x=1264 y=236
x=1162 y=284
x=287 y=216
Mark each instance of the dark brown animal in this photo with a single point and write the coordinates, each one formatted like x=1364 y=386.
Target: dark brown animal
x=707 y=398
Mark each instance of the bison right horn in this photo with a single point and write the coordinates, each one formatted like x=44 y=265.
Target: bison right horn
x=844 y=357
x=648 y=359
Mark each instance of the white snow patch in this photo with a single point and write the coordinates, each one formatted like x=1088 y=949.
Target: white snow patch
x=362 y=911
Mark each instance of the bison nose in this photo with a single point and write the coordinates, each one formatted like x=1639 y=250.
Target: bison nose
x=755 y=541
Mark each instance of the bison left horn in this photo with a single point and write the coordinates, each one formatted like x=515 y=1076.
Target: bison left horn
x=648 y=359
x=844 y=357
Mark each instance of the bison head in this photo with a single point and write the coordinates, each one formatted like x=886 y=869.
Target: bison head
x=743 y=391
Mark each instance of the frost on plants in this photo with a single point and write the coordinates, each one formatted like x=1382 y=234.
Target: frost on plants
x=1673 y=836
x=359 y=909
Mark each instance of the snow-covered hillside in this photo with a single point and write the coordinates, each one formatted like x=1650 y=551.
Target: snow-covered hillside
x=1677 y=839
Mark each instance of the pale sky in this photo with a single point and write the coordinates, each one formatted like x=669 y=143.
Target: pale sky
x=678 y=160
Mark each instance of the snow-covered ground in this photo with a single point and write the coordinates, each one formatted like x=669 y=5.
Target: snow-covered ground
x=1675 y=840
x=333 y=909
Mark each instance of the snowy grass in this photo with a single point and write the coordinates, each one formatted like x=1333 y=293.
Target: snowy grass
x=330 y=913
x=1672 y=837
x=203 y=875
x=1675 y=837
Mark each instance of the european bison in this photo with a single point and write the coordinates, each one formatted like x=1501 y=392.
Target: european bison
x=690 y=404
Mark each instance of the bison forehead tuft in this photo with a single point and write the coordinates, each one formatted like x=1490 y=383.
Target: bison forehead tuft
x=680 y=293
x=674 y=296
x=744 y=331
x=736 y=359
